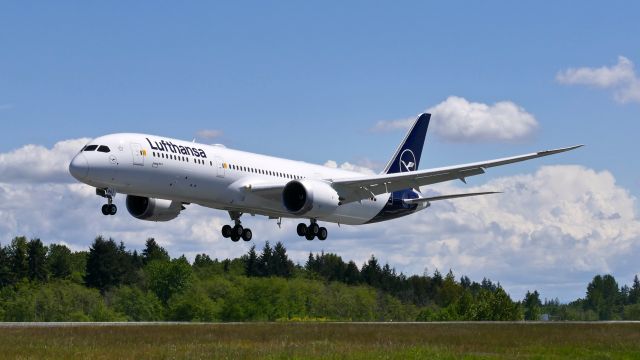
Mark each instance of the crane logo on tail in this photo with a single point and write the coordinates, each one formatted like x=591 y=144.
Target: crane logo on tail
x=407 y=161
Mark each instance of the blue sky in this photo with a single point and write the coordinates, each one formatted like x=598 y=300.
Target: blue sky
x=310 y=80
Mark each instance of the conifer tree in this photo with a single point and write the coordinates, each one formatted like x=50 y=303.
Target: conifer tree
x=18 y=258
x=634 y=292
x=59 y=261
x=103 y=265
x=153 y=251
x=251 y=262
x=532 y=305
x=37 y=254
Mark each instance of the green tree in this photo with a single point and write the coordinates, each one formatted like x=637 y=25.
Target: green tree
x=79 y=266
x=59 y=261
x=603 y=297
x=203 y=260
x=153 y=252
x=311 y=265
x=129 y=264
x=6 y=276
x=251 y=262
x=449 y=291
x=371 y=272
x=103 y=265
x=136 y=304
x=634 y=292
x=193 y=305
x=265 y=263
x=55 y=301
x=352 y=274
x=18 y=258
x=37 y=255
x=282 y=266
x=532 y=305
x=166 y=279
x=631 y=312
x=136 y=260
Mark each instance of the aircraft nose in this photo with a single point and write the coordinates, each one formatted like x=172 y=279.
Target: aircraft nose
x=79 y=167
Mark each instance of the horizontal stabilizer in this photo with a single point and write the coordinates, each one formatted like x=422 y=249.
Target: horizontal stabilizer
x=445 y=197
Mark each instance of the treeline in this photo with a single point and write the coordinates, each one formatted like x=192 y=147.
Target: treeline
x=110 y=282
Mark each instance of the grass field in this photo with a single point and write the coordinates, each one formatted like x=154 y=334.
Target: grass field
x=325 y=340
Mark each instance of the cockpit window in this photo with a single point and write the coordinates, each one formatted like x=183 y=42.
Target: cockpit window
x=104 y=149
x=90 y=147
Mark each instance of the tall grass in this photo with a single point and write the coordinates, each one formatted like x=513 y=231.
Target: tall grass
x=325 y=340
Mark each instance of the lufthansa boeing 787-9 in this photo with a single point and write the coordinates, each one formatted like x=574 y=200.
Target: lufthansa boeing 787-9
x=160 y=176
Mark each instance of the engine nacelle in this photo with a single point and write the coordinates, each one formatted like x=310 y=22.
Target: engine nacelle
x=309 y=198
x=151 y=209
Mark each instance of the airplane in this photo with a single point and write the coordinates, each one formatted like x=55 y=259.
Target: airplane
x=161 y=176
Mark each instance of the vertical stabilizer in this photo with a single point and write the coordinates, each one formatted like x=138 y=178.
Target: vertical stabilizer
x=407 y=156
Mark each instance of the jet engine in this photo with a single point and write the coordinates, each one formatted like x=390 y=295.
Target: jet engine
x=309 y=198
x=151 y=209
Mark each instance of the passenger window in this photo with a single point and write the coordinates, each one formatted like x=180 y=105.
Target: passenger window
x=91 y=148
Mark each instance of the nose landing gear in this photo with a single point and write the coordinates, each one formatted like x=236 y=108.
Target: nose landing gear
x=109 y=208
x=236 y=232
x=312 y=230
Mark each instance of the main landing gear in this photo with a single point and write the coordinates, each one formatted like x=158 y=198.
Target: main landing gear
x=237 y=231
x=312 y=231
x=109 y=208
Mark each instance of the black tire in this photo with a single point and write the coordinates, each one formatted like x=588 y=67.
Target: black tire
x=309 y=236
x=235 y=238
x=237 y=230
x=314 y=229
x=105 y=209
x=247 y=235
x=302 y=229
x=322 y=234
x=113 y=209
x=226 y=231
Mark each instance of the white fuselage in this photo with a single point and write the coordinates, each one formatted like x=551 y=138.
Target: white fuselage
x=211 y=176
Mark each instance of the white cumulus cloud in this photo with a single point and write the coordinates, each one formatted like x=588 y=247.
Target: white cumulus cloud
x=620 y=77
x=459 y=120
x=35 y=163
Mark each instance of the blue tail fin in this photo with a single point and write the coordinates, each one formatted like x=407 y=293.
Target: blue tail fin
x=407 y=157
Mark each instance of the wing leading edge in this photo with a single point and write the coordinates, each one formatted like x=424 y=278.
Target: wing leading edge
x=355 y=189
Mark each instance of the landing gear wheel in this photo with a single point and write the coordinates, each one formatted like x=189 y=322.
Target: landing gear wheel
x=313 y=229
x=113 y=209
x=247 y=235
x=105 y=209
x=302 y=229
x=309 y=236
x=226 y=231
x=237 y=230
x=322 y=234
x=235 y=237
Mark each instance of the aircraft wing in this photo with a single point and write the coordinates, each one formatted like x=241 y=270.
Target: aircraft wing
x=355 y=189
